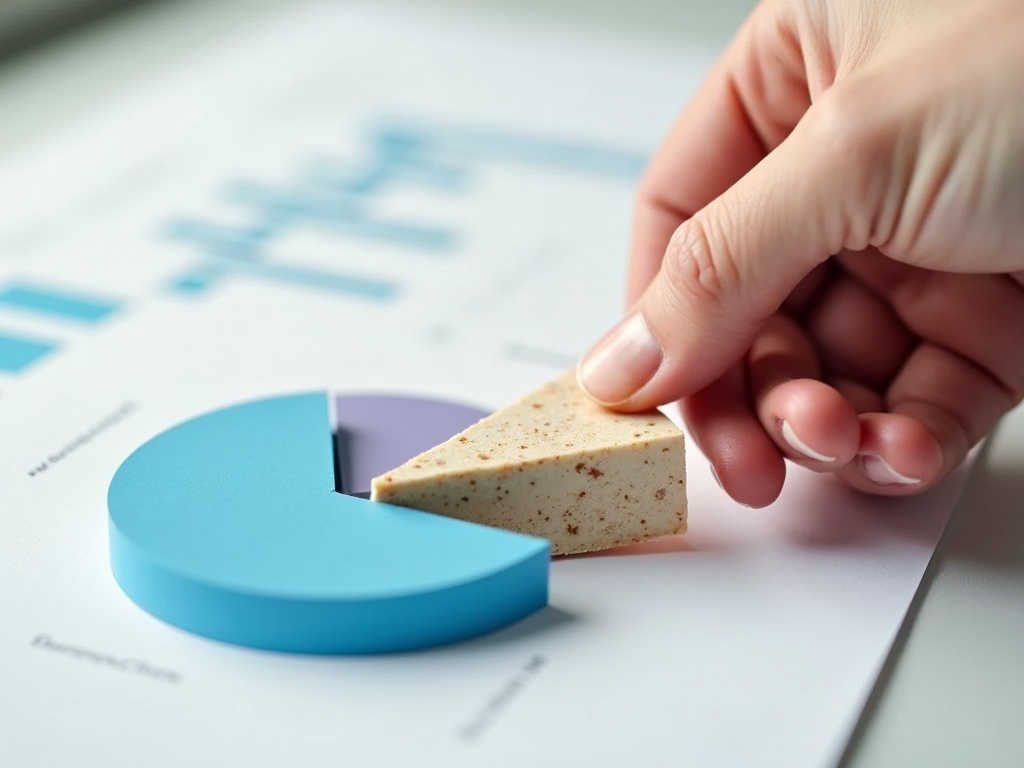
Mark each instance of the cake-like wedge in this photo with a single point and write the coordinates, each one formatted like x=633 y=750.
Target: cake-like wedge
x=554 y=465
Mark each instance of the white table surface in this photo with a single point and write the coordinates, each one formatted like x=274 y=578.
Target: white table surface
x=954 y=690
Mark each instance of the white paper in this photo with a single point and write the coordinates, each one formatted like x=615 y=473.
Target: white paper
x=753 y=640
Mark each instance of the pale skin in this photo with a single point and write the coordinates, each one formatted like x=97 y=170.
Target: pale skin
x=827 y=263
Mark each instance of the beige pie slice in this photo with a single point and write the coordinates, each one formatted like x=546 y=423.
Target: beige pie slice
x=554 y=465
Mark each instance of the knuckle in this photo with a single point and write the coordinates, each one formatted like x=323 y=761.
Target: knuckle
x=844 y=120
x=698 y=265
x=852 y=139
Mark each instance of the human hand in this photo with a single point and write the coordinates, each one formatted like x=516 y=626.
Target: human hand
x=828 y=252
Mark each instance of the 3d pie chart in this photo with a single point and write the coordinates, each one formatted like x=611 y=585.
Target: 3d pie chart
x=250 y=525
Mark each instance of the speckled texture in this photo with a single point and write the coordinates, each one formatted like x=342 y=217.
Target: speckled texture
x=554 y=465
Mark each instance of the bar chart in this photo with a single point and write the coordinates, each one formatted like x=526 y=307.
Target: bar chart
x=18 y=351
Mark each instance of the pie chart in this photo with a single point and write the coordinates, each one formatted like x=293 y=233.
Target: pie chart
x=250 y=525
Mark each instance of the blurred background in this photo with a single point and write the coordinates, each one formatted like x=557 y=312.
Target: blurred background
x=57 y=56
x=27 y=22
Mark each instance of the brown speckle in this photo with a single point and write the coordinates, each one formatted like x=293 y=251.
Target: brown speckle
x=580 y=467
x=573 y=530
x=483 y=457
x=465 y=499
x=538 y=405
x=659 y=494
x=465 y=439
x=440 y=462
x=582 y=494
x=595 y=473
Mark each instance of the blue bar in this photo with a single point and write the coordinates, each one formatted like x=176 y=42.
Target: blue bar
x=388 y=167
x=17 y=354
x=66 y=306
x=217 y=266
x=239 y=242
x=410 y=140
x=331 y=282
x=293 y=207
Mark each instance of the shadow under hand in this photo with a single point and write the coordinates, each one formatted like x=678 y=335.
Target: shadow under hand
x=828 y=514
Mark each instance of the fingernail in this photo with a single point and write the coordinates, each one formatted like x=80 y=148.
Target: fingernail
x=877 y=470
x=800 y=446
x=621 y=362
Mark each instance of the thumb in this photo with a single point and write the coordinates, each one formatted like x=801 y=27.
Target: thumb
x=725 y=271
